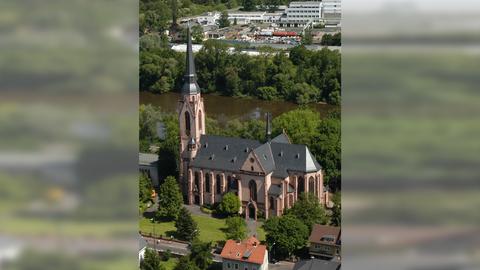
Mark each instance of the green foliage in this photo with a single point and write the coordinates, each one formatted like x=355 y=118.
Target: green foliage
x=153 y=41
x=266 y=93
x=161 y=70
x=166 y=255
x=186 y=264
x=308 y=210
x=236 y=228
x=151 y=260
x=285 y=235
x=332 y=40
x=201 y=254
x=187 y=228
x=249 y=5
x=336 y=218
x=327 y=149
x=230 y=204
x=149 y=116
x=223 y=21
x=196 y=33
x=169 y=199
x=307 y=37
x=145 y=191
x=300 y=124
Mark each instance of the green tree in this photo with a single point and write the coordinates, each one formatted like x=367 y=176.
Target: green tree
x=236 y=228
x=336 y=218
x=186 y=264
x=151 y=260
x=169 y=199
x=300 y=124
x=249 y=5
x=266 y=93
x=187 y=228
x=223 y=21
x=285 y=235
x=307 y=38
x=201 y=254
x=145 y=191
x=328 y=151
x=308 y=210
x=230 y=204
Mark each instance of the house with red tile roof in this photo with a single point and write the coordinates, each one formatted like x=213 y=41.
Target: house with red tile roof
x=325 y=241
x=245 y=255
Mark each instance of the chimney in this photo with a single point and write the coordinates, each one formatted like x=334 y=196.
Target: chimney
x=268 y=129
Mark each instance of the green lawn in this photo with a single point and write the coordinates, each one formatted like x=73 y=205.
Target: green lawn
x=209 y=227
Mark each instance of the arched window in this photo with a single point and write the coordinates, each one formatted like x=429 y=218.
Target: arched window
x=187 y=123
x=311 y=185
x=207 y=182
x=200 y=120
x=272 y=203
x=197 y=181
x=301 y=185
x=218 y=185
x=232 y=183
x=253 y=190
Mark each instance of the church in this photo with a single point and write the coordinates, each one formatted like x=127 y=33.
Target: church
x=267 y=177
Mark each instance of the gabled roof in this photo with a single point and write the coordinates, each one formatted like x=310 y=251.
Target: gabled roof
x=293 y=157
x=323 y=233
x=282 y=138
x=223 y=153
x=249 y=250
x=229 y=154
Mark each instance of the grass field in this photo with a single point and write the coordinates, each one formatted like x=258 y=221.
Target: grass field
x=210 y=228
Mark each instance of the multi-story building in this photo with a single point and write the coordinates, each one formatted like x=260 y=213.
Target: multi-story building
x=325 y=241
x=331 y=12
x=299 y=14
x=268 y=177
x=246 y=255
x=246 y=17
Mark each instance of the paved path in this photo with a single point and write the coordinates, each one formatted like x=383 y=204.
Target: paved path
x=252 y=227
x=195 y=209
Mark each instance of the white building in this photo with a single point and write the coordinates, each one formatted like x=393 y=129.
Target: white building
x=302 y=13
x=209 y=18
x=246 y=17
x=246 y=255
x=332 y=11
x=148 y=164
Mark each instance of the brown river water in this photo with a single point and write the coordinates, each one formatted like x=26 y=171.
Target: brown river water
x=224 y=108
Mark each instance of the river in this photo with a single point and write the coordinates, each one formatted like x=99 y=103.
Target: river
x=224 y=108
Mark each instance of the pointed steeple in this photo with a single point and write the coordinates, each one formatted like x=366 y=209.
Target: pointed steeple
x=190 y=86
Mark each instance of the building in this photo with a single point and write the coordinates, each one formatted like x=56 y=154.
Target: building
x=267 y=177
x=300 y=14
x=246 y=255
x=316 y=264
x=332 y=12
x=325 y=241
x=148 y=164
x=246 y=17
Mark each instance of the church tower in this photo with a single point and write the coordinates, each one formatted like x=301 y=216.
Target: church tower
x=191 y=115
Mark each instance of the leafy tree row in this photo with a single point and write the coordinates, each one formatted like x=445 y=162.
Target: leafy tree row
x=303 y=76
x=332 y=40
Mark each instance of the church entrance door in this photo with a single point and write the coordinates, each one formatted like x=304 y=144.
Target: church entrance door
x=251 y=211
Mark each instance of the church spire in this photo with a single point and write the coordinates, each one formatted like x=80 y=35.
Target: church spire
x=190 y=86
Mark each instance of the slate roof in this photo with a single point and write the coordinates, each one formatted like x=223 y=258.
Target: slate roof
x=282 y=138
x=223 y=153
x=275 y=190
x=316 y=264
x=229 y=154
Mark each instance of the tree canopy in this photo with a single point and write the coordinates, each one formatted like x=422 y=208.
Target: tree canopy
x=151 y=260
x=230 y=204
x=145 y=190
x=236 y=228
x=285 y=235
x=308 y=210
x=201 y=254
x=187 y=228
x=170 y=199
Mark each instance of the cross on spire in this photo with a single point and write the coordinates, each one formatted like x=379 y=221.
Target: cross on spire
x=190 y=85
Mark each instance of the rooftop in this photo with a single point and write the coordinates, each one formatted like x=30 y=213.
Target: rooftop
x=249 y=250
x=147 y=159
x=325 y=234
x=316 y=264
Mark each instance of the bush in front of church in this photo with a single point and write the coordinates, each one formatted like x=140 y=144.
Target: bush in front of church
x=230 y=205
